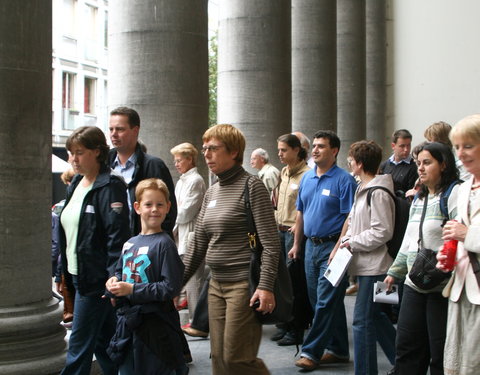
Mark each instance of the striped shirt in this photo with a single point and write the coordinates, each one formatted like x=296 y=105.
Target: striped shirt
x=221 y=231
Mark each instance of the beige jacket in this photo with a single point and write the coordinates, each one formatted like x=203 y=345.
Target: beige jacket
x=370 y=227
x=463 y=276
x=288 y=192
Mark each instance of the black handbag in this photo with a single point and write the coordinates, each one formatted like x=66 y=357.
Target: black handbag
x=424 y=273
x=282 y=290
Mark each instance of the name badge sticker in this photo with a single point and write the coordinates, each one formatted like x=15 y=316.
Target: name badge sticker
x=143 y=250
x=293 y=186
x=326 y=192
x=89 y=209
x=212 y=204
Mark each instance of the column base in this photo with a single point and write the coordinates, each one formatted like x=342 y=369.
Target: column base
x=32 y=339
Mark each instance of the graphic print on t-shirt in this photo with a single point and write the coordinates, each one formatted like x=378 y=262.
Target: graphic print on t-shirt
x=135 y=262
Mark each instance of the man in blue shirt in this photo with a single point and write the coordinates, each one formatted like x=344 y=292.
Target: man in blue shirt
x=325 y=198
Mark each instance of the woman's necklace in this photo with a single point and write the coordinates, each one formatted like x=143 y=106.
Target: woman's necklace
x=476 y=186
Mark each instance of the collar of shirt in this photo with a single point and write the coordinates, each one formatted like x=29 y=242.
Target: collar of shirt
x=188 y=173
x=127 y=170
x=407 y=160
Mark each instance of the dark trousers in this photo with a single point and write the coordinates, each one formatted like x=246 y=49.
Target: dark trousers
x=421 y=333
x=200 y=316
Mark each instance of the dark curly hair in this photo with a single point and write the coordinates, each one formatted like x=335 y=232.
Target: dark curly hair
x=443 y=154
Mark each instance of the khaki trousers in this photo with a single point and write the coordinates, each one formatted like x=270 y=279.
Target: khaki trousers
x=235 y=333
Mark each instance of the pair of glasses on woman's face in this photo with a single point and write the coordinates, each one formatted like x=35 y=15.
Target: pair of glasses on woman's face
x=211 y=148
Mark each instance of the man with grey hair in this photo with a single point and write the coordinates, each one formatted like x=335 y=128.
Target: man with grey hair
x=266 y=171
x=306 y=145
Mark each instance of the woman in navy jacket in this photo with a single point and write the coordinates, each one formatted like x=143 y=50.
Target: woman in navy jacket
x=95 y=225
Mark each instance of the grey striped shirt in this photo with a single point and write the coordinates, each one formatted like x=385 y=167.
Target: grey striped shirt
x=221 y=231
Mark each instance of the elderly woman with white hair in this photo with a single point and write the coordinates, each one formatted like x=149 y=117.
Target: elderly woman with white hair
x=462 y=346
x=189 y=192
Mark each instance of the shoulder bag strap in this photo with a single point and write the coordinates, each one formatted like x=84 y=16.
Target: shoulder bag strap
x=420 y=230
x=252 y=233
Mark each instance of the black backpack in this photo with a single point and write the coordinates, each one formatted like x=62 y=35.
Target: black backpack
x=402 y=211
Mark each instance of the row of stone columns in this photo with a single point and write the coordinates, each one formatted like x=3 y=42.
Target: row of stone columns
x=283 y=65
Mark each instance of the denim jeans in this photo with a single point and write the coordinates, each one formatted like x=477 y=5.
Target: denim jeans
x=329 y=326
x=286 y=242
x=370 y=325
x=93 y=327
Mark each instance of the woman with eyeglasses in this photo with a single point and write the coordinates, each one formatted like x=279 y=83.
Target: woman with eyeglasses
x=462 y=346
x=220 y=238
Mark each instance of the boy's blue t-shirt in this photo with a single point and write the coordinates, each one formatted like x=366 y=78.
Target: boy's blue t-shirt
x=152 y=263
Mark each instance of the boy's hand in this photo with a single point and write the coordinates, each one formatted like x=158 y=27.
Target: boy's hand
x=110 y=282
x=120 y=288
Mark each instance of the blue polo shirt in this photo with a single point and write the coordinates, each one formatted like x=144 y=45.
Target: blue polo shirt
x=325 y=201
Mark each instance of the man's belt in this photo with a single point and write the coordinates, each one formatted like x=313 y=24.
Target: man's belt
x=283 y=228
x=320 y=240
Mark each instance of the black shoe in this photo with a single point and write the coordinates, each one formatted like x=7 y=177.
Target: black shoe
x=279 y=334
x=291 y=338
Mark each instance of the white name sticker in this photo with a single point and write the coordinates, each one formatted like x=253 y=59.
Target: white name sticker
x=143 y=250
x=127 y=245
x=293 y=186
x=326 y=192
x=212 y=204
x=90 y=209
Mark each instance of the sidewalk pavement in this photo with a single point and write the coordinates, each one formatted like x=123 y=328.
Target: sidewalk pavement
x=280 y=359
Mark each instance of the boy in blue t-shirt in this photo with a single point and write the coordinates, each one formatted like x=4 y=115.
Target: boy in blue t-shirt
x=148 y=276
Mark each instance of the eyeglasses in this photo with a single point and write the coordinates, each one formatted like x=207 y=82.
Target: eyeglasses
x=212 y=148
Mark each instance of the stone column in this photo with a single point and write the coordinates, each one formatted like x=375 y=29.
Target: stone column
x=158 y=65
x=376 y=74
x=254 y=71
x=314 y=81
x=350 y=74
x=31 y=338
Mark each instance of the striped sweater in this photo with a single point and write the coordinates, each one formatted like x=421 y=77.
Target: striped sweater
x=221 y=231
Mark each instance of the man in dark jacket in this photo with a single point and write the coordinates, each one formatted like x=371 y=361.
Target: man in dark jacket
x=128 y=160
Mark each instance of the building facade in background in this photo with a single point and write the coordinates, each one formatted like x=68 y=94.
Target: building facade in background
x=79 y=66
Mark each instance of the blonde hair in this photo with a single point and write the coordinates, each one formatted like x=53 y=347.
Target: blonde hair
x=438 y=132
x=151 y=184
x=187 y=150
x=233 y=139
x=467 y=128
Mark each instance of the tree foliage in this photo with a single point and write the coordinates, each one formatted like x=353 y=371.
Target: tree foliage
x=212 y=80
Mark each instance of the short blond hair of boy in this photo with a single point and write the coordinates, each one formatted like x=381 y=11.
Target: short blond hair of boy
x=151 y=184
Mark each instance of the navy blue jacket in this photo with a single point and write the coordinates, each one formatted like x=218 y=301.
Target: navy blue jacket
x=102 y=230
x=148 y=166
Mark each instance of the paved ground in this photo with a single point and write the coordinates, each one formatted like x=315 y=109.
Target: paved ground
x=280 y=360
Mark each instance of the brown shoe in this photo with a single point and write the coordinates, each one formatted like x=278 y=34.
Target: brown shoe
x=328 y=358
x=194 y=332
x=352 y=290
x=307 y=364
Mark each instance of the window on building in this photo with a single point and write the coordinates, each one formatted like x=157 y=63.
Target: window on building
x=105 y=30
x=89 y=95
x=68 y=90
x=91 y=33
x=69 y=18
